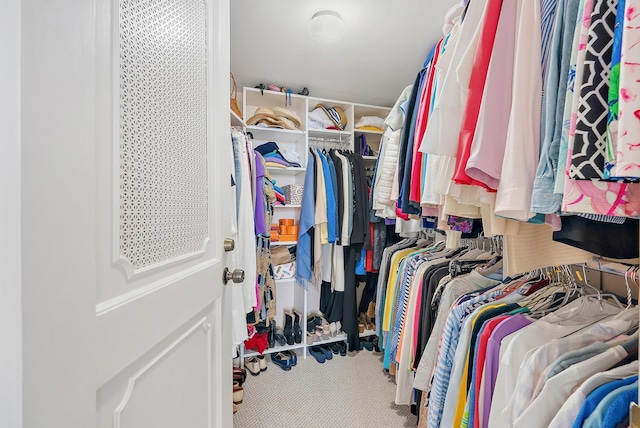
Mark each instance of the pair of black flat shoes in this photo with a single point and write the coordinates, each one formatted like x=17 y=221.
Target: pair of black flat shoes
x=326 y=351
x=370 y=343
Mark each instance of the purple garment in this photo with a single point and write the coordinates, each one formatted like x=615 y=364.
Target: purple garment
x=258 y=210
x=492 y=359
x=278 y=160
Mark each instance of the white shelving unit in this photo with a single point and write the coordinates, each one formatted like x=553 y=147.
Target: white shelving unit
x=289 y=296
x=236 y=120
x=373 y=137
x=282 y=243
x=288 y=171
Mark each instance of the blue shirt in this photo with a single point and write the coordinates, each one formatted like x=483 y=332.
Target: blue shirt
x=406 y=145
x=307 y=219
x=448 y=345
x=543 y=199
x=614 y=407
x=597 y=395
x=618 y=410
x=332 y=207
x=334 y=182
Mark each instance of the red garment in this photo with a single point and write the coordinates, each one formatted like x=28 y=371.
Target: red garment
x=368 y=261
x=421 y=126
x=258 y=342
x=401 y=215
x=476 y=89
x=482 y=354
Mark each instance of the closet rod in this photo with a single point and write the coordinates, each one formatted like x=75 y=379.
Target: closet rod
x=328 y=140
x=614 y=268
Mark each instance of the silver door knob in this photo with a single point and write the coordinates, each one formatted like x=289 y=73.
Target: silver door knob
x=236 y=276
x=229 y=244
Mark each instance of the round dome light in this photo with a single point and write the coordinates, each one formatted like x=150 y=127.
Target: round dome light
x=326 y=27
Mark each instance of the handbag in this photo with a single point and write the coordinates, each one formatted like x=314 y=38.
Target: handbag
x=233 y=99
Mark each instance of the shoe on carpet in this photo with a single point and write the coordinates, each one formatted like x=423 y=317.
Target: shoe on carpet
x=327 y=351
x=318 y=354
x=292 y=354
x=366 y=345
x=335 y=347
x=239 y=375
x=282 y=359
x=238 y=394
x=343 y=348
x=373 y=340
x=262 y=360
x=253 y=365
x=238 y=379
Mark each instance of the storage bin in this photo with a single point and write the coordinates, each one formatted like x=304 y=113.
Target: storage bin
x=293 y=193
x=284 y=271
x=286 y=222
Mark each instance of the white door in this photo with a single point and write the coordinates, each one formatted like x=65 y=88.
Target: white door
x=125 y=205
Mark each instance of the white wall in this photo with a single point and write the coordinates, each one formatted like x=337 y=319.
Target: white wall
x=10 y=261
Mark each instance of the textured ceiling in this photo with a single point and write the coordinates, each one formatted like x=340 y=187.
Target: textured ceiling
x=384 y=46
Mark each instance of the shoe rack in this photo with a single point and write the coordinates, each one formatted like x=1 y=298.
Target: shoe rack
x=290 y=296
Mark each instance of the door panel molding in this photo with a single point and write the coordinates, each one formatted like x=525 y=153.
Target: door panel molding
x=130 y=271
x=117 y=302
x=135 y=328
x=133 y=380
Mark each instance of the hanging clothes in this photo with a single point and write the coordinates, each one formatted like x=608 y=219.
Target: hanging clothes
x=628 y=161
x=244 y=297
x=614 y=91
x=264 y=197
x=588 y=152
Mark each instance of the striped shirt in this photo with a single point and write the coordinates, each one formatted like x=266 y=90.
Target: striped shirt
x=548 y=14
x=448 y=345
x=412 y=266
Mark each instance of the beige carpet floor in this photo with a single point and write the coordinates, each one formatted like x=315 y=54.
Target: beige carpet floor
x=351 y=391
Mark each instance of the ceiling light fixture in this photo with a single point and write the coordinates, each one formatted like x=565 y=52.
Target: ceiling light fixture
x=326 y=27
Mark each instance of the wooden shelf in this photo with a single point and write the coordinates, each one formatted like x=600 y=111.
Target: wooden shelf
x=370 y=157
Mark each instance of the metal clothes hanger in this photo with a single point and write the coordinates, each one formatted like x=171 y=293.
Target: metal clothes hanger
x=604 y=294
x=544 y=301
x=631 y=272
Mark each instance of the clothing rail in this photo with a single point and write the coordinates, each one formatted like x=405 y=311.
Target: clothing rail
x=323 y=142
x=330 y=139
x=619 y=278
x=615 y=268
